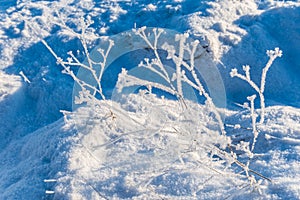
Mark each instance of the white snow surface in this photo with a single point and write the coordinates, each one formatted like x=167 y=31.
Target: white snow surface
x=144 y=146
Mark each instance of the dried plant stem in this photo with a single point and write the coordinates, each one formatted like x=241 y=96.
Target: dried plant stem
x=273 y=54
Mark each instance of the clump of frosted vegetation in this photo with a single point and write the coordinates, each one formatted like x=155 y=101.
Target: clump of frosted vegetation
x=272 y=54
x=185 y=139
x=176 y=79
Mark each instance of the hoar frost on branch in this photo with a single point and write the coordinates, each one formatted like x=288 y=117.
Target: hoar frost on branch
x=94 y=68
x=273 y=54
x=174 y=81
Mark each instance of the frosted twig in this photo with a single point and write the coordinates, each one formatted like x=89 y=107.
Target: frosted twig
x=180 y=64
x=272 y=54
x=74 y=61
x=126 y=80
x=24 y=77
x=255 y=135
x=253 y=118
x=157 y=33
x=224 y=155
x=198 y=86
x=182 y=39
x=67 y=70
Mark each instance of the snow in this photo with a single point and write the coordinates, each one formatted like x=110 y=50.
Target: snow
x=142 y=145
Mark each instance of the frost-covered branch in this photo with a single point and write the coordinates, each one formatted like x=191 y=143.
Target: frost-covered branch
x=232 y=158
x=181 y=75
x=157 y=61
x=126 y=80
x=245 y=146
x=95 y=69
x=255 y=135
x=181 y=67
x=272 y=54
x=253 y=118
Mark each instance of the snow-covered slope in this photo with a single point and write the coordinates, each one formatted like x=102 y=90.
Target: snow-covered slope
x=135 y=162
x=28 y=161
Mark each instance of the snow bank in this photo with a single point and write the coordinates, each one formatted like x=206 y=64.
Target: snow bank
x=144 y=146
x=26 y=162
x=147 y=147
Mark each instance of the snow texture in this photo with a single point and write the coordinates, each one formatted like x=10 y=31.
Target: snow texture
x=147 y=144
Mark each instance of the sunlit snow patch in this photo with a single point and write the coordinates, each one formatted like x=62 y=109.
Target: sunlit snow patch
x=9 y=84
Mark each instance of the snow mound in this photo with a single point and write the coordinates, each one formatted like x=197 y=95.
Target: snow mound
x=277 y=150
x=144 y=146
x=148 y=147
x=26 y=162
